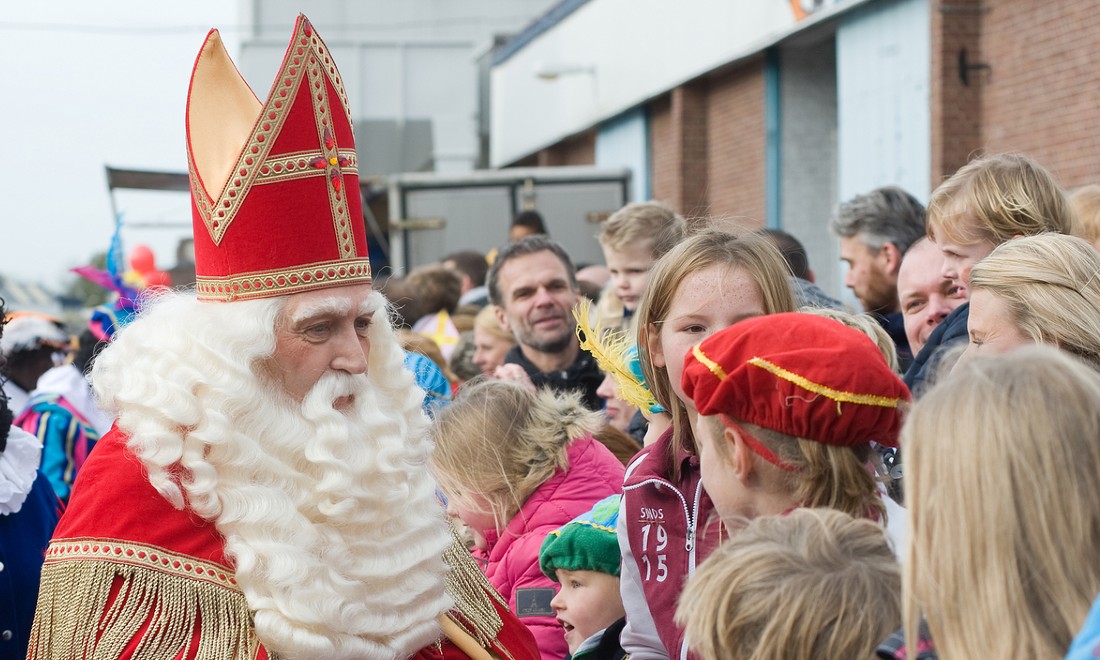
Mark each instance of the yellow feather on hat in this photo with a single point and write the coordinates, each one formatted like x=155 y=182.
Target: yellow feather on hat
x=611 y=349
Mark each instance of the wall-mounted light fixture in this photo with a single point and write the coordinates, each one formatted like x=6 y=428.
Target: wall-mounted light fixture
x=553 y=71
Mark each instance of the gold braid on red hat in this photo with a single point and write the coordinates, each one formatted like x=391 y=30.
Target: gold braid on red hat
x=839 y=396
x=836 y=395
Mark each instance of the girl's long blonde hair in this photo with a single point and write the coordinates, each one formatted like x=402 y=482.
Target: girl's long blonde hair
x=750 y=252
x=498 y=442
x=1002 y=486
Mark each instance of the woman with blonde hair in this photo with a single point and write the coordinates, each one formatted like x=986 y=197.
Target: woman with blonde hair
x=1002 y=465
x=491 y=341
x=516 y=465
x=814 y=584
x=1041 y=289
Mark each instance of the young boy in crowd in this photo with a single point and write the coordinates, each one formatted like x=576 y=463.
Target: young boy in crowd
x=815 y=583
x=583 y=555
x=632 y=239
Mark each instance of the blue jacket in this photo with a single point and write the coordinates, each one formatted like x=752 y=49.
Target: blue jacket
x=950 y=332
x=24 y=536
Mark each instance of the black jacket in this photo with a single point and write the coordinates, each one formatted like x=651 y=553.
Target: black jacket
x=582 y=376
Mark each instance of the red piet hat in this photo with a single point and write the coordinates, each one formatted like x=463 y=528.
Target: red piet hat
x=274 y=185
x=803 y=375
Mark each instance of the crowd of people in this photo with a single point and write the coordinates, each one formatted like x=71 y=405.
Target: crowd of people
x=689 y=451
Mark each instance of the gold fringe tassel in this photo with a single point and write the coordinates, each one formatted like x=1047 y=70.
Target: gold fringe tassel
x=185 y=617
x=471 y=592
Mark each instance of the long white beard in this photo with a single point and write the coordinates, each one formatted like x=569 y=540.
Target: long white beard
x=334 y=526
x=331 y=518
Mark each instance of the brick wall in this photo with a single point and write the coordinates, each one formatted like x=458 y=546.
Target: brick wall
x=736 y=173
x=707 y=146
x=1042 y=96
x=662 y=161
x=955 y=107
x=678 y=148
x=578 y=150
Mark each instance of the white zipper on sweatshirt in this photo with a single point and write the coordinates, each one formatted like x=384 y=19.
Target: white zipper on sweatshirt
x=691 y=551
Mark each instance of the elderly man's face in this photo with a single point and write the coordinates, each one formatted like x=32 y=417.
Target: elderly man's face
x=322 y=331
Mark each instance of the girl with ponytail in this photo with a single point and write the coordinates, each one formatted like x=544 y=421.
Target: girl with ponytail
x=516 y=465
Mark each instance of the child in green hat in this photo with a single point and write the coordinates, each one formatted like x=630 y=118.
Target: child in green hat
x=583 y=555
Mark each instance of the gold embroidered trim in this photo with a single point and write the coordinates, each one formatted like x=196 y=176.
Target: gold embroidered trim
x=140 y=554
x=94 y=603
x=714 y=367
x=298 y=166
x=326 y=137
x=321 y=50
x=471 y=592
x=283 y=281
x=836 y=395
x=218 y=214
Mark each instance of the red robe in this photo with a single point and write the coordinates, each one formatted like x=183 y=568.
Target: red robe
x=130 y=576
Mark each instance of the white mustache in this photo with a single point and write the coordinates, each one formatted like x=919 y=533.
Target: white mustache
x=332 y=386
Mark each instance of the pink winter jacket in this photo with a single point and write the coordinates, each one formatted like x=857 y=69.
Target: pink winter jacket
x=511 y=561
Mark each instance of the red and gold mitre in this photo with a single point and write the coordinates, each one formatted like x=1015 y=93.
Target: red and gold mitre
x=274 y=185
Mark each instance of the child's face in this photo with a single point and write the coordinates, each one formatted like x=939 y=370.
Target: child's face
x=471 y=513
x=706 y=301
x=629 y=271
x=489 y=350
x=619 y=412
x=715 y=469
x=959 y=258
x=588 y=602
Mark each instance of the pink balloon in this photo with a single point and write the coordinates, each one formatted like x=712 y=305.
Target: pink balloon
x=142 y=259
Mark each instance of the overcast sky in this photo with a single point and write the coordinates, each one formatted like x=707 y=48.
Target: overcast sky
x=89 y=84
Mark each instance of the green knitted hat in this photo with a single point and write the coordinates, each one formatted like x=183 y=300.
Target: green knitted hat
x=586 y=543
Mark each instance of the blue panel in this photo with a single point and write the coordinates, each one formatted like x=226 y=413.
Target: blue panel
x=624 y=142
x=772 y=173
x=883 y=115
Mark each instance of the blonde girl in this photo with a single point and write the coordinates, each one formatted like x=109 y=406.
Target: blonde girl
x=1002 y=465
x=709 y=281
x=514 y=466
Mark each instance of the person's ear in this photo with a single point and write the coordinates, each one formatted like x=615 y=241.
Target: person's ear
x=502 y=319
x=740 y=454
x=891 y=258
x=653 y=345
x=810 y=277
